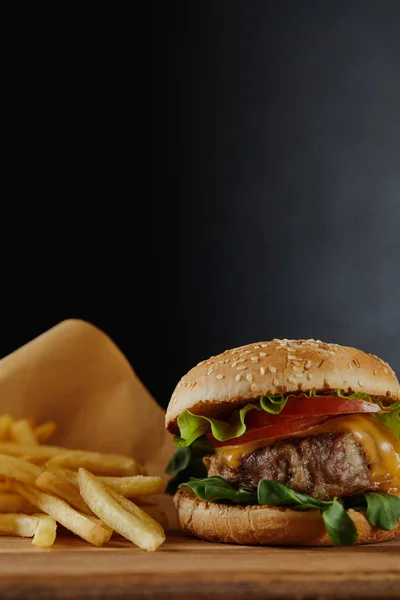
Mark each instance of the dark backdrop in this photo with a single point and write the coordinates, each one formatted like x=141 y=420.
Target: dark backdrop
x=231 y=173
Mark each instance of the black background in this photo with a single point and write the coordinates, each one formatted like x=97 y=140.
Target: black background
x=191 y=176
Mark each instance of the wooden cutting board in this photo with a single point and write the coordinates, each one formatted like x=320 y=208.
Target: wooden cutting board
x=188 y=568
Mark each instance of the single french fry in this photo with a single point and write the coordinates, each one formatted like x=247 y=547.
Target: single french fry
x=137 y=485
x=14 y=503
x=5 y=424
x=45 y=431
x=45 y=533
x=22 y=433
x=52 y=483
x=132 y=508
x=97 y=463
x=18 y=525
x=67 y=516
x=33 y=450
x=16 y=468
x=133 y=524
x=63 y=473
x=123 y=485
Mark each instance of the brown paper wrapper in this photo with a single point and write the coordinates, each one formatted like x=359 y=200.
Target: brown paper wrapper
x=75 y=375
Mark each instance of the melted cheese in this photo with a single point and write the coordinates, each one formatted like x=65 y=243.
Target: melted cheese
x=380 y=445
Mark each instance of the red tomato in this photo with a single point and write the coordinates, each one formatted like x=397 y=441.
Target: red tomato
x=298 y=414
x=289 y=425
x=315 y=406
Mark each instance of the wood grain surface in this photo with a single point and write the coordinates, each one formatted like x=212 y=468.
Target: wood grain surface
x=188 y=568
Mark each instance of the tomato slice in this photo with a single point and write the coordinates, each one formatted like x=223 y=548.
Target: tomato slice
x=284 y=427
x=315 y=406
x=298 y=414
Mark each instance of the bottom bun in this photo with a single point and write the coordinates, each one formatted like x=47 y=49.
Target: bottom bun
x=265 y=525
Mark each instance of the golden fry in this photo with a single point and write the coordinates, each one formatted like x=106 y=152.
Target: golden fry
x=52 y=483
x=45 y=533
x=19 y=469
x=14 y=503
x=67 y=516
x=5 y=424
x=137 y=485
x=21 y=432
x=45 y=431
x=133 y=524
x=97 y=462
x=19 y=525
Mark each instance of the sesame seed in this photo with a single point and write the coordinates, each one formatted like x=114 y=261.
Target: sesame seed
x=356 y=362
x=254 y=387
x=297 y=363
x=262 y=370
x=263 y=354
x=254 y=359
x=350 y=365
x=297 y=369
x=272 y=369
x=275 y=381
x=292 y=357
x=238 y=377
x=375 y=371
x=327 y=383
x=247 y=352
x=264 y=345
x=234 y=364
x=220 y=376
x=241 y=367
x=308 y=365
x=242 y=359
x=299 y=374
x=360 y=383
x=309 y=375
x=255 y=347
x=291 y=380
x=200 y=363
x=210 y=370
x=249 y=377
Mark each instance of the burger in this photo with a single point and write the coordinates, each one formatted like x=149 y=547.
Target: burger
x=287 y=442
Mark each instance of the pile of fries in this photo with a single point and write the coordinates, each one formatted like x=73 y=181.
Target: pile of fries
x=91 y=494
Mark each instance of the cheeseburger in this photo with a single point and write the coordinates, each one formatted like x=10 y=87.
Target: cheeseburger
x=287 y=442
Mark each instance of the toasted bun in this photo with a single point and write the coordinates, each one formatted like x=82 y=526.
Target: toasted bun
x=265 y=525
x=278 y=367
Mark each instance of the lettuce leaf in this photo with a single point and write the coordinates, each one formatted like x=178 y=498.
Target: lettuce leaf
x=193 y=426
x=188 y=462
x=217 y=489
x=381 y=510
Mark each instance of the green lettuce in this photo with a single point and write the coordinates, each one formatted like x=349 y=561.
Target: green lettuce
x=381 y=510
x=217 y=489
x=192 y=427
x=188 y=462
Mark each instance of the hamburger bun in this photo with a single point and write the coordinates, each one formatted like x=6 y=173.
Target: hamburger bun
x=265 y=525
x=242 y=374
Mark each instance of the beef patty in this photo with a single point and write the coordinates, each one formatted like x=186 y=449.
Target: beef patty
x=324 y=465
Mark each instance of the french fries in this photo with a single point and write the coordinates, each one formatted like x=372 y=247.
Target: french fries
x=21 y=432
x=52 y=483
x=45 y=533
x=97 y=463
x=67 y=516
x=133 y=524
x=94 y=495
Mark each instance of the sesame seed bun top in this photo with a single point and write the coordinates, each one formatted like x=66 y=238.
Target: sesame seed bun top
x=243 y=374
